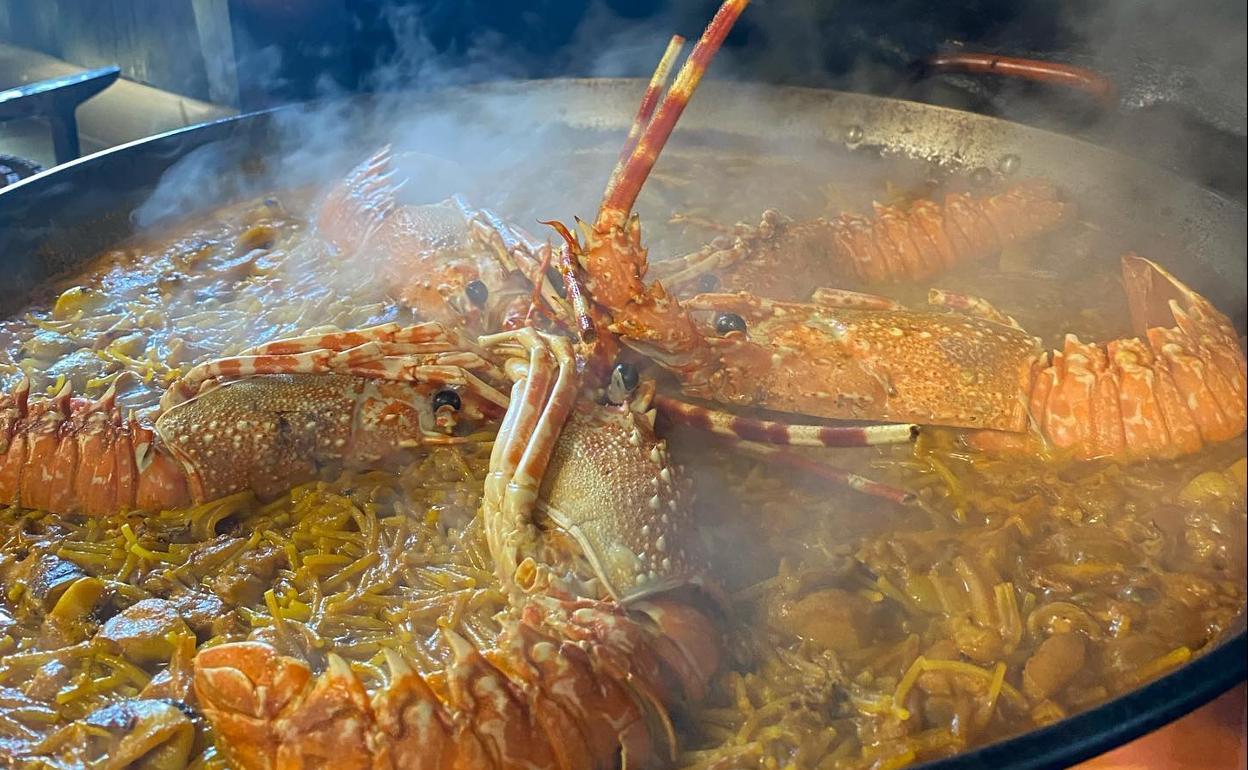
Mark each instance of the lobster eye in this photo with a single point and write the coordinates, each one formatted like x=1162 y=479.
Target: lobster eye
x=708 y=282
x=627 y=374
x=729 y=322
x=624 y=380
x=447 y=398
x=478 y=292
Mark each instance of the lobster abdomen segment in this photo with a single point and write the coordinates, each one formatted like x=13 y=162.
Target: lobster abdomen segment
x=73 y=455
x=1170 y=394
x=538 y=700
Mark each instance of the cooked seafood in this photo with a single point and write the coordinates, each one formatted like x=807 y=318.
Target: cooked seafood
x=1182 y=389
x=447 y=261
x=469 y=268
x=858 y=634
x=451 y=263
x=897 y=243
x=850 y=355
x=264 y=421
x=1143 y=563
x=573 y=682
x=103 y=614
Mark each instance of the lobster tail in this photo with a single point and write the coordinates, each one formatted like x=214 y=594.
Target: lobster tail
x=895 y=243
x=1179 y=387
x=74 y=455
x=535 y=701
x=908 y=244
x=356 y=208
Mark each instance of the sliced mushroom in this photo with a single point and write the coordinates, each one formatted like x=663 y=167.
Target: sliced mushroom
x=50 y=577
x=830 y=618
x=1052 y=666
x=144 y=631
x=143 y=735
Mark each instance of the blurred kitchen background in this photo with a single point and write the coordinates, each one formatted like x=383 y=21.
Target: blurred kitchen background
x=139 y=67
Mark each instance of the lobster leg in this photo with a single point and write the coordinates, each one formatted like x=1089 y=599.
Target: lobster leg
x=774 y=432
x=828 y=297
x=421 y=338
x=971 y=305
x=866 y=486
x=368 y=360
x=386 y=352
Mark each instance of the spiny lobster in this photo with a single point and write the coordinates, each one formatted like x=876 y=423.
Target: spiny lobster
x=845 y=354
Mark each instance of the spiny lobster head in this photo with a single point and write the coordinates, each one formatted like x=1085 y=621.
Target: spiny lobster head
x=610 y=257
x=611 y=263
x=613 y=488
x=271 y=432
x=449 y=262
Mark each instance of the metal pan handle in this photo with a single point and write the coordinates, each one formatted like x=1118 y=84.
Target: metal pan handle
x=1099 y=87
x=56 y=100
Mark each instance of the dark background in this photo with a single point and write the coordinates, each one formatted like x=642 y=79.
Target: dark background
x=1180 y=66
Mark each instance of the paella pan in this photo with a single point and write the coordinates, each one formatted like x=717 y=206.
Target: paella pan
x=968 y=610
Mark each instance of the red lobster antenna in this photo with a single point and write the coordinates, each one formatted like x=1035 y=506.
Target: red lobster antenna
x=577 y=297
x=626 y=182
x=649 y=100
